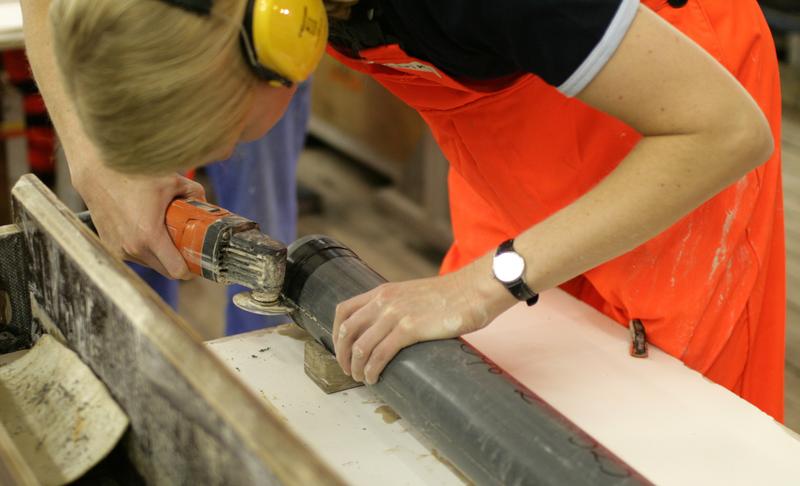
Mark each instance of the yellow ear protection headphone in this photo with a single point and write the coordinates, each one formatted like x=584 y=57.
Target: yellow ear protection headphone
x=282 y=40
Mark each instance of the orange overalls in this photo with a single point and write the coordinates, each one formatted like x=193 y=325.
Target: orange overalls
x=710 y=290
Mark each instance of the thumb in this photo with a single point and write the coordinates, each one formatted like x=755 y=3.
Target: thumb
x=191 y=189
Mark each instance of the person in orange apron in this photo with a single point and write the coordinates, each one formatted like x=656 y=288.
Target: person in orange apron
x=592 y=145
x=710 y=290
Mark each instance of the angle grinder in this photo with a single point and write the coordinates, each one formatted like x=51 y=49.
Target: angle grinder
x=227 y=248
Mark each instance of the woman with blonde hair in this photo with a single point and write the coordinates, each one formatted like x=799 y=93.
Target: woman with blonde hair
x=592 y=145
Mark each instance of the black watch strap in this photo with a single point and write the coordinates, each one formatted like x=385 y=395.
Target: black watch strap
x=518 y=287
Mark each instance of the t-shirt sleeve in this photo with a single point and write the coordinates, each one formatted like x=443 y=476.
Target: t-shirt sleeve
x=565 y=42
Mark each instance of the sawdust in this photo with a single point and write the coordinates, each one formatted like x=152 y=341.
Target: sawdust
x=294 y=331
x=77 y=429
x=722 y=249
x=449 y=465
x=388 y=414
x=452 y=323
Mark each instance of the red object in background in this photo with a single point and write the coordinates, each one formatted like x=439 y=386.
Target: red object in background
x=39 y=131
x=38 y=128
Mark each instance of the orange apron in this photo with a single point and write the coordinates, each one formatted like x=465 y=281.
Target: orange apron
x=711 y=289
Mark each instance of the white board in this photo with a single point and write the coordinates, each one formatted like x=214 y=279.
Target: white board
x=357 y=434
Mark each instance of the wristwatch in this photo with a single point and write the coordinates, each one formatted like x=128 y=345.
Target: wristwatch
x=508 y=268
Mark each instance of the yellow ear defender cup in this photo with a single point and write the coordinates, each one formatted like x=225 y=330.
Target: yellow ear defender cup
x=283 y=40
x=288 y=37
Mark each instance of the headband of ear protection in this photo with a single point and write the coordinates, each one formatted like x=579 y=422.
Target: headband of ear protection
x=283 y=40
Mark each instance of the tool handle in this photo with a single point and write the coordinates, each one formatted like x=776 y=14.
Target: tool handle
x=188 y=221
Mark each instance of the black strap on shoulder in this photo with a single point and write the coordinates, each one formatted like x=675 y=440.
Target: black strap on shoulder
x=361 y=31
x=201 y=7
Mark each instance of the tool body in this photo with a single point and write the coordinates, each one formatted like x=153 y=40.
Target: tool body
x=230 y=249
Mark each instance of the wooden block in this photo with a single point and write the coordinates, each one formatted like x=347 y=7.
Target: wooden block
x=323 y=369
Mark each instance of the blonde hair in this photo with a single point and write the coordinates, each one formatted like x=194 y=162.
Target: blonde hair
x=157 y=88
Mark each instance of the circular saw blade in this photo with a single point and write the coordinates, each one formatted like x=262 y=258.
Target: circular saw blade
x=247 y=302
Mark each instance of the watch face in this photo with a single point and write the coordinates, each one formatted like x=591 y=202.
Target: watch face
x=508 y=266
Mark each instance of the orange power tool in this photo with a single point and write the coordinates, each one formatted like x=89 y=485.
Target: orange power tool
x=229 y=249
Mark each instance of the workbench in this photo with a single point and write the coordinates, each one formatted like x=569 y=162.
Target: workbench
x=665 y=420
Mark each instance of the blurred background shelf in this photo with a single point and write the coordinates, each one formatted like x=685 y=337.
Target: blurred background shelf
x=358 y=117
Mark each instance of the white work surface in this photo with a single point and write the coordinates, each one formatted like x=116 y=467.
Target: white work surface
x=10 y=24
x=665 y=420
x=353 y=430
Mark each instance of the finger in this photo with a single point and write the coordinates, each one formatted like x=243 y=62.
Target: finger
x=190 y=188
x=346 y=309
x=354 y=327
x=384 y=352
x=365 y=344
x=137 y=253
x=170 y=258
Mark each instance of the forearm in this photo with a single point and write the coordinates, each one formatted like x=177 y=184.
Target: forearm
x=661 y=180
x=698 y=138
x=82 y=155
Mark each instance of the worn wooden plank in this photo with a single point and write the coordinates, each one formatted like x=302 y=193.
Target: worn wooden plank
x=60 y=416
x=192 y=420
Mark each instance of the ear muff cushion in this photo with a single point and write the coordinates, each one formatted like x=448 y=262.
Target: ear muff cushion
x=289 y=36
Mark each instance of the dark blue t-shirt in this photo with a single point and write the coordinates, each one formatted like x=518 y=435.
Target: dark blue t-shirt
x=565 y=42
